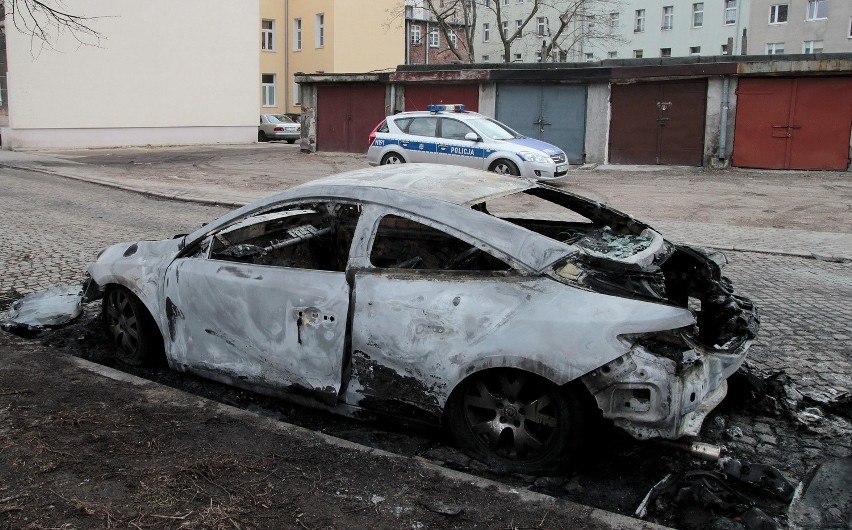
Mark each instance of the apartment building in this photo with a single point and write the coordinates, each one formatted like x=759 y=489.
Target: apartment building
x=800 y=26
x=273 y=57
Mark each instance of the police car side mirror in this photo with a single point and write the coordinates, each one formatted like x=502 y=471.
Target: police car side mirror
x=472 y=137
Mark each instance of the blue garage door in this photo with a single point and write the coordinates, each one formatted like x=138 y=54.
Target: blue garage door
x=555 y=114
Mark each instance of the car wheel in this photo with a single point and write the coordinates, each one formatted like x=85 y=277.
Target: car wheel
x=261 y=137
x=130 y=328
x=516 y=421
x=291 y=141
x=505 y=167
x=392 y=158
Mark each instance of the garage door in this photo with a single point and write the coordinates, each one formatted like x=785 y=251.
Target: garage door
x=793 y=123
x=555 y=114
x=419 y=97
x=658 y=123
x=346 y=115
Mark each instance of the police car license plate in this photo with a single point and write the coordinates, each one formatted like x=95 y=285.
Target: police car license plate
x=563 y=167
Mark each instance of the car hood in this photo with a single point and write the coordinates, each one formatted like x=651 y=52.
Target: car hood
x=538 y=145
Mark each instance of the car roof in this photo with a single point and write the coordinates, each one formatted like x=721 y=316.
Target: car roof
x=445 y=113
x=434 y=191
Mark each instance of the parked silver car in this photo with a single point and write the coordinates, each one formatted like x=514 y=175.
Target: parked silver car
x=278 y=127
x=499 y=307
x=447 y=134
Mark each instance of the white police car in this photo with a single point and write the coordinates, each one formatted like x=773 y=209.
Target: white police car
x=447 y=134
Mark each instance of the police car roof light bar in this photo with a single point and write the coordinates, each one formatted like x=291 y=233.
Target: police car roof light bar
x=458 y=107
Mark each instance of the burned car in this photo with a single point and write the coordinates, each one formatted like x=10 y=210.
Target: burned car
x=495 y=306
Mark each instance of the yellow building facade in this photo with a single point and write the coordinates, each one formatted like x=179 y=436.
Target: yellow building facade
x=327 y=36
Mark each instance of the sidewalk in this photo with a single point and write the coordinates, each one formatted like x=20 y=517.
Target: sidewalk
x=792 y=213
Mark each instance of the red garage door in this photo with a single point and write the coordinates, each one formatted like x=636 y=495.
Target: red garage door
x=658 y=123
x=417 y=97
x=793 y=123
x=346 y=115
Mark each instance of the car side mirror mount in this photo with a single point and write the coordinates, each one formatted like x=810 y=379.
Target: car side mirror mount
x=472 y=137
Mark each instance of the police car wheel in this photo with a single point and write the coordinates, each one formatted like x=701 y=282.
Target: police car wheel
x=505 y=167
x=392 y=158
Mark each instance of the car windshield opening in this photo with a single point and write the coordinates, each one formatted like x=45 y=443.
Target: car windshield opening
x=494 y=129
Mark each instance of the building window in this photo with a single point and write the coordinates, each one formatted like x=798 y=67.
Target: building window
x=774 y=48
x=563 y=56
x=613 y=22
x=812 y=46
x=611 y=55
x=668 y=17
x=850 y=29
x=505 y=2
x=267 y=83
x=297 y=94
x=637 y=54
x=541 y=26
x=320 y=30
x=724 y=49
x=453 y=39
x=416 y=34
x=778 y=14
x=434 y=39
x=267 y=35
x=698 y=15
x=817 y=9
x=730 y=12
x=538 y=57
x=639 y=24
x=485 y=58
x=665 y=52
x=518 y=56
x=505 y=29
x=695 y=50
x=590 y=57
x=486 y=32
x=518 y=24
x=297 y=34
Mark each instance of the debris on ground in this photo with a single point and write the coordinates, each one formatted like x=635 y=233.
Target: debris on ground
x=824 y=498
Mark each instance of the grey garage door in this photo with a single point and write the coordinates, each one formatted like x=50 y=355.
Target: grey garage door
x=555 y=114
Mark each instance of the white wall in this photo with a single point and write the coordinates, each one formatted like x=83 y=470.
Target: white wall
x=167 y=72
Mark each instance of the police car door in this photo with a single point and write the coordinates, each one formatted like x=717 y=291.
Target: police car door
x=454 y=149
x=420 y=142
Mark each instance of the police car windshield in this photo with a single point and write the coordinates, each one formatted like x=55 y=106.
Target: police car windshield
x=494 y=129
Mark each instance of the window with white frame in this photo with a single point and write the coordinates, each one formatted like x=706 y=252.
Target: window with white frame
x=730 y=12
x=505 y=2
x=698 y=14
x=812 y=46
x=518 y=24
x=639 y=22
x=774 y=48
x=778 y=14
x=590 y=57
x=637 y=54
x=668 y=17
x=267 y=85
x=416 y=34
x=319 y=27
x=485 y=58
x=267 y=35
x=541 y=26
x=434 y=39
x=297 y=94
x=613 y=22
x=665 y=52
x=724 y=50
x=538 y=56
x=453 y=38
x=695 y=50
x=505 y=29
x=518 y=56
x=817 y=9
x=486 y=32
x=297 y=34
x=611 y=55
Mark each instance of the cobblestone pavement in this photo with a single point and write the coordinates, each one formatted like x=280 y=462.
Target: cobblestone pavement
x=54 y=227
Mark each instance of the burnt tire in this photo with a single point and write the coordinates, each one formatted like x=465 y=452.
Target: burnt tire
x=505 y=167
x=392 y=158
x=517 y=422
x=130 y=329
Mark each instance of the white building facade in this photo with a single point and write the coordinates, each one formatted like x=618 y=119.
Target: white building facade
x=800 y=26
x=163 y=73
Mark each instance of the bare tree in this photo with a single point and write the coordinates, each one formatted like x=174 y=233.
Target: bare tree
x=570 y=25
x=45 y=20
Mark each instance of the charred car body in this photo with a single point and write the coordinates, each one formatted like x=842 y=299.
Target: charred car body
x=415 y=290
